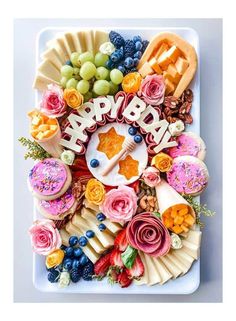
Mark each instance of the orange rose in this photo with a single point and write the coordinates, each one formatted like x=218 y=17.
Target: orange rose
x=95 y=191
x=131 y=82
x=73 y=98
x=163 y=162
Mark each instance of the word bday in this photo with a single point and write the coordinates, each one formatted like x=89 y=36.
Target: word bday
x=136 y=112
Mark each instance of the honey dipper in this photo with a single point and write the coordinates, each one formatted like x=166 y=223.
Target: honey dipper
x=128 y=146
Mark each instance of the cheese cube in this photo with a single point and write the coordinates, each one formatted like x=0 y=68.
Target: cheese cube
x=170 y=87
x=163 y=61
x=40 y=135
x=145 y=70
x=164 y=47
x=172 y=71
x=153 y=63
x=173 y=53
x=175 y=80
x=181 y=65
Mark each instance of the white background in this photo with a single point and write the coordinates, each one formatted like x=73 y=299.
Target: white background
x=210 y=289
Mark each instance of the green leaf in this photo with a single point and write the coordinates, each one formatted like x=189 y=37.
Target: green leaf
x=129 y=256
x=157 y=214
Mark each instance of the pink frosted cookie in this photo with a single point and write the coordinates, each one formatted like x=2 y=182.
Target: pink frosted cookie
x=188 y=175
x=188 y=144
x=59 y=208
x=49 y=179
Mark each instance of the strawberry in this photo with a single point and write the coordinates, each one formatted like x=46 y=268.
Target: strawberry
x=124 y=279
x=137 y=269
x=121 y=241
x=113 y=274
x=115 y=258
x=102 y=265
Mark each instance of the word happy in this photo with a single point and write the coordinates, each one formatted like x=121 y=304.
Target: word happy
x=136 y=111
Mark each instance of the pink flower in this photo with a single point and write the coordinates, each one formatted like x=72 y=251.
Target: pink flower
x=151 y=176
x=152 y=89
x=45 y=237
x=53 y=104
x=120 y=204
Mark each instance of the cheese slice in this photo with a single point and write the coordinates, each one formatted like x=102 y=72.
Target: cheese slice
x=64 y=237
x=191 y=249
x=170 y=87
x=172 y=267
x=49 y=70
x=181 y=65
x=82 y=224
x=88 y=34
x=41 y=82
x=154 y=276
x=52 y=55
x=91 y=254
x=183 y=259
x=99 y=37
x=184 y=269
x=163 y=47
x=173 y=53
x=145 y=70
x=92 y=206
x=184 y=255
x=69 y=42
x=82 y=41
x=62 y=50
x=194 y=237
x=144 y=279
x=106 y=239
x=153 y=63
x=163 y=271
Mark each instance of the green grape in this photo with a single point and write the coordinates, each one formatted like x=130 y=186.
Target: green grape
x=116 y=76
x=101 y=87
x=102 y=73
x=100 y=59
x=88 y=70
x=86 y=56
x=74 y=58
x=88 y=96
x=71 y=83
x=67 y=71
x=94 y=95
x=113 y=88
x=83 y=86
x=63 y=82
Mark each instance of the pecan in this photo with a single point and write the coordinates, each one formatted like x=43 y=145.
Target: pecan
x=181 y=117
x=188 y=95
x=183 y=108
x=188 y=119
x=171 y=119
x=171 y=102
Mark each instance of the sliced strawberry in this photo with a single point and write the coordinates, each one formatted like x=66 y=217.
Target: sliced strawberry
x=124 y=279
x=102 y=265
x=121 y=241
x=137 y=269
x=115 y=258
x=113 y=274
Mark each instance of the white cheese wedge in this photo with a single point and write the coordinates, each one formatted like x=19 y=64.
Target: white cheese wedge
x=99 y=37
x=183 y=259
x=91 y=254
x=184 y=269
x=93 y=207
x=49 y=70
x=41 y=82
x=106 y=239
x=173 y=268
x=64 y=237
x=52 y=55
x=82 y=41
x=69 y=42
x=191 y=249
x=144 y=279
x=163 y=271
x=194 y=237
x=154 y=276
x=61 y=49
x=82 y=224
x=76 y=42
x=88 y=34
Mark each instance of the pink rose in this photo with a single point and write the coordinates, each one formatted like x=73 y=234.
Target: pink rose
x=152 y=89
x=151 y=176
x=53 y=104
x=45 y=237
x=120 y=204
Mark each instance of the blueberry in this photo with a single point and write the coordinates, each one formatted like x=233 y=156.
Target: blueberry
x=100 y=217
x=73 y=240
x=67 y=263
x=69 y=251
x=136 y=61
x=94 y=163
x=138 y=139
x=83 y=241
x=102 y=227
x=137 y=38
x=53 y=276
x=129 y=62
x=110 y=64
x=132 y=131
x=75 y=264
x=138 y=45
x=83 y=259
x=78 y=252
x=90 y=234
x=69 y=63
x=138 y=54
x=121 y=68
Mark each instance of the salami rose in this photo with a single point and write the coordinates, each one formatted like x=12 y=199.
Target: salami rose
x=147 y=233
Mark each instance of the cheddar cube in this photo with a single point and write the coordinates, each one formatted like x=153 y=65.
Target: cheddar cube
x=145 y=70
x=173 y=53
x=181 y=65
x=178 y=220
x=51 y=121
x=53 y=127
x=177 y=229
x=163 y=61
x=153 y=63
x=48 y=133
x=184 y=211
x=172 y=71
x=36 y=120
x=44 y=127
x=164 y=47
x=40 y=135
x=189 y=219
x=184 y=227
x=170 y=87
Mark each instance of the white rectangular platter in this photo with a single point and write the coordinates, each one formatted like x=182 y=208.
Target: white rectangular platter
x=183 y=285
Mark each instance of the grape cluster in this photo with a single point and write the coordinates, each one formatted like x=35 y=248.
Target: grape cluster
x=127 y=54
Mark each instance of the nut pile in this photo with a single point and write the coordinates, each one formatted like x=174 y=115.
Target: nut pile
x=147 y=199
x=174 y=109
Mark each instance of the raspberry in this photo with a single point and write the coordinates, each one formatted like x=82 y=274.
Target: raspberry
x=88 y=271
x=116 y=39
x=129 y=48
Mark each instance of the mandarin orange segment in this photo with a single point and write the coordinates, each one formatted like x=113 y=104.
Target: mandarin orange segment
x=128 y=167
x=110 y=143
